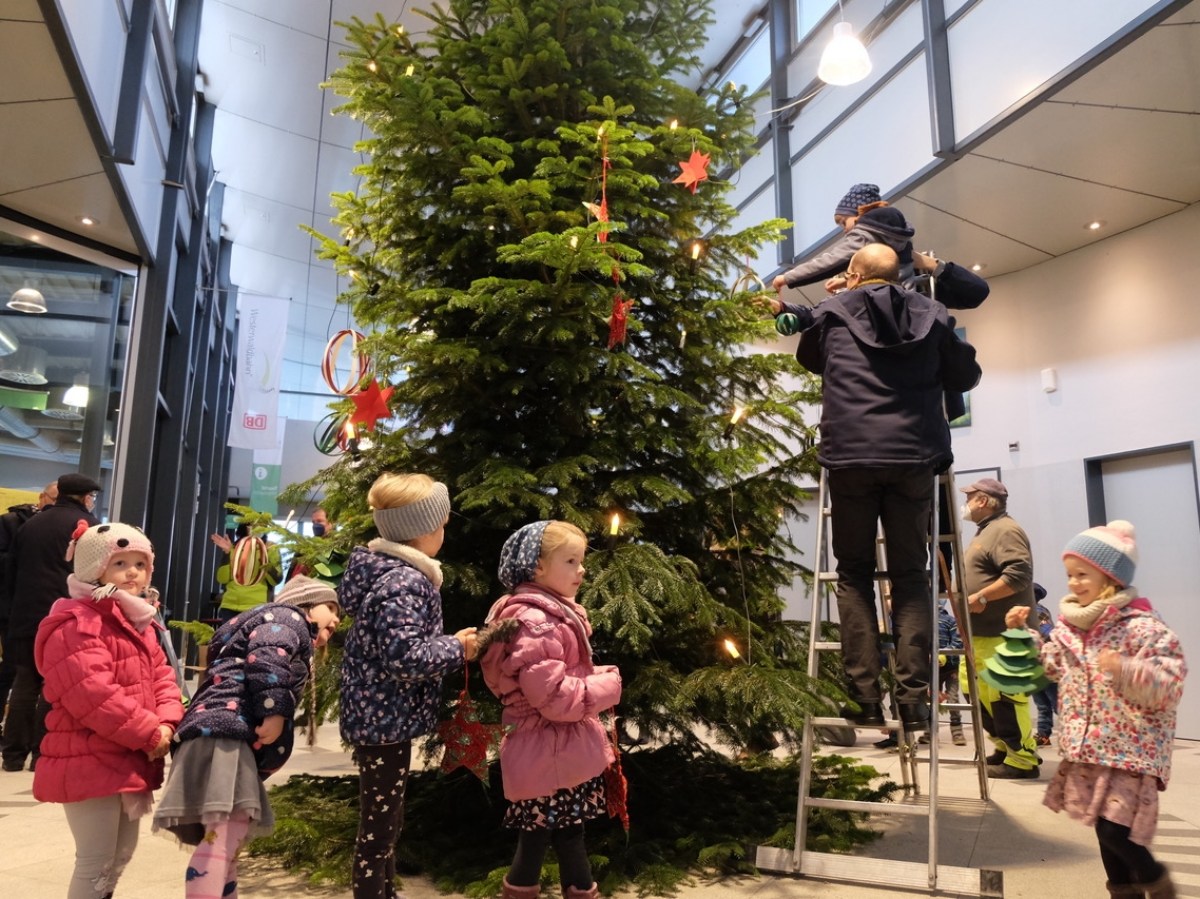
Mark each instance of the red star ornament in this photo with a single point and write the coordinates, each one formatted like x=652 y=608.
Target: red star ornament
x=695 y=170
x=466 y=739
x=370 y=405
x=618 y=321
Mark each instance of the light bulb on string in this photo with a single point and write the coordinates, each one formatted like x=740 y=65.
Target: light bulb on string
x=738 y=412
x=697 y=249
x=731 y=648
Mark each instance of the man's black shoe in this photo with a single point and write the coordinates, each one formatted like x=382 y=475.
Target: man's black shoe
x=13 y=766
x=870 y=714
x=914 y=715
x=997 y=757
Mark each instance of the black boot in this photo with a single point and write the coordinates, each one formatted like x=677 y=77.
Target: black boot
x=870 y=714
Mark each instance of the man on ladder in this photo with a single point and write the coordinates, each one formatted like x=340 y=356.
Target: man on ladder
x=885 y=354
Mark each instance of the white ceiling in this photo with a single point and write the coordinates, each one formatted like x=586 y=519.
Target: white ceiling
x=1119 y=144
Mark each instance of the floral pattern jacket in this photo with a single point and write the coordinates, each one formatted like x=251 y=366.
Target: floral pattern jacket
x=1126 y=721
x=396 y=654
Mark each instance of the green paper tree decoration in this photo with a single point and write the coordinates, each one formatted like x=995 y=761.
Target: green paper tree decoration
x=1015 y=668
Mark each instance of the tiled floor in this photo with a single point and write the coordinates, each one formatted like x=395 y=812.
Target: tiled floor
x=1040 y=854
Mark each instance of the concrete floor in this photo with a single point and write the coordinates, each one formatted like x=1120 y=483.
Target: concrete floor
x=1040 y=854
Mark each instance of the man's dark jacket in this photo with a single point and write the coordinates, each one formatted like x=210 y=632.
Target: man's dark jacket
x=885 y=355
x=10 y=523
x=38 y=567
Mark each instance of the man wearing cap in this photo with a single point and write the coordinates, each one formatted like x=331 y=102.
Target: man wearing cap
x=998 y=575
x=37 y=573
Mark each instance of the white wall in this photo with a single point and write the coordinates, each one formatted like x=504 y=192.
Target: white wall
x=1120 y=322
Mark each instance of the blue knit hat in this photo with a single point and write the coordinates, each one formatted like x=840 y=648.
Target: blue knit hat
x=520 y=554
x=858 y=195
x=1112 y=549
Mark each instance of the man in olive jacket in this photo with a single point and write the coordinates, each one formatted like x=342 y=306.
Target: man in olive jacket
x=37 y=575
x=998 y=575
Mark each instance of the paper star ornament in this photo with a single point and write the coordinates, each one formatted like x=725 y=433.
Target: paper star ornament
x=370 y=405
x=695 y=170
x=467 y=739
x=600 y=211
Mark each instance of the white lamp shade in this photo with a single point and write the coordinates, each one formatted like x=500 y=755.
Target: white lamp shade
x=27 y=299
x=845 y=60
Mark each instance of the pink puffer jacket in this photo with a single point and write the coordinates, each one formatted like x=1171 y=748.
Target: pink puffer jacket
x=109 y=687
x=552 y=695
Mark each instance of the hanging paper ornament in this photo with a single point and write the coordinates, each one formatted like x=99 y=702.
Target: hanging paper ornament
x=466 y=738
x=695 y=170
x=618 y=321
x=248 y=561
x=1015 y=668
x=616 y=787
x=329 y=436
x=371 y=405
x=360 y=363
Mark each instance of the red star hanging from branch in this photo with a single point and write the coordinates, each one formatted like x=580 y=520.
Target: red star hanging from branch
x=370 y=405
x=467 y=739
x=695 y=170
x=600 y=211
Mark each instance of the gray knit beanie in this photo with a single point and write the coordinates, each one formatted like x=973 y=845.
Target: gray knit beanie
x=425 y=516
x=305 y=592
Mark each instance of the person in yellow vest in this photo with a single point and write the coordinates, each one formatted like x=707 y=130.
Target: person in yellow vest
x=238 y=598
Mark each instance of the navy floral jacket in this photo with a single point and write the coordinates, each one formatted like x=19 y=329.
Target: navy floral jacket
x=258 y=663
x=396 y=653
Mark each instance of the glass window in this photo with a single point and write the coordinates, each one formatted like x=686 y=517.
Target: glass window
x=809 y=14
x=64 y=335
x=753 y=66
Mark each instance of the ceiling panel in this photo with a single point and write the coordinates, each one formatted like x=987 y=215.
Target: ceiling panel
x=265 y=161
x=24 y=83
x=56 y=204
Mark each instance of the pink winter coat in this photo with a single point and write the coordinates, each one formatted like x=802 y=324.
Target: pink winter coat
x=110 y=688
x=552 y=695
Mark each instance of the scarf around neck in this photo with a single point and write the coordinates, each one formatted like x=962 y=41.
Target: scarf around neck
x=429 y=567
x=1083 y=617
x=139 y=611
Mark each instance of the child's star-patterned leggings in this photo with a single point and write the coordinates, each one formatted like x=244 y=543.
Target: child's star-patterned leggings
x=382 y=777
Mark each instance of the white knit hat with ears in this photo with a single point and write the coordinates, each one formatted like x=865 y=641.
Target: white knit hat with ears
x=92 y=547
x=1112 y=549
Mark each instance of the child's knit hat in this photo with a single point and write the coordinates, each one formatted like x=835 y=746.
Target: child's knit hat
x=305 y=592
x=1112 y=549
x=858 y=195
x=92 y=547
x=406 y=522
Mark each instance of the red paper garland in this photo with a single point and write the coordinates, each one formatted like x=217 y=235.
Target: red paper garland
x=616 y=787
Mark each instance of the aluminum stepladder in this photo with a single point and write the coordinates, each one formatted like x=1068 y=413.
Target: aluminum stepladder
x=929 y=876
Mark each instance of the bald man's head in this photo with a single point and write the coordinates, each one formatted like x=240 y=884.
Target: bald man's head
x=875 y=261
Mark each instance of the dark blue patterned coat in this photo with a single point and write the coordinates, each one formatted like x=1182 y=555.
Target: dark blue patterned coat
x=258 y=663
x=396 y=654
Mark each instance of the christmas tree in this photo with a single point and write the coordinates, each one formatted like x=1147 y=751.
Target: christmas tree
x=552 y=280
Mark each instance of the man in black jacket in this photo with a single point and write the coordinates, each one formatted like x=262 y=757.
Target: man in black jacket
x=37 y=575
x=10 y=523
x=885 y=354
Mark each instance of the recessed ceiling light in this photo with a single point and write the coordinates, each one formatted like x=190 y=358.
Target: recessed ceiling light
x=978 y=267
x=87 y=220
x=1095 y=226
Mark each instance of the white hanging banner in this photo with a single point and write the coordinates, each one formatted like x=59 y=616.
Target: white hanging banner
x=262 y=330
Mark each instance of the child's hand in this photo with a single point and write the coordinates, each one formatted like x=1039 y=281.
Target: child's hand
x=1016 y=616
x=467 y=638
x=836 y=283
x=165 y=733
x=1109 y=662
x=269 y=731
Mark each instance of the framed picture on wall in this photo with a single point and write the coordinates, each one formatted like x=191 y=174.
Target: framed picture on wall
x=963 y=420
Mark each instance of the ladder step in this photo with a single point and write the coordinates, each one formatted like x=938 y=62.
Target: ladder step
x=889 y=723
x=827 y=646
x=911 y=875
x=871 y=808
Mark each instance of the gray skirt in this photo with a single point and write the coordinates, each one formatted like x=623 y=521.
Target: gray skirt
x=212 y=780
